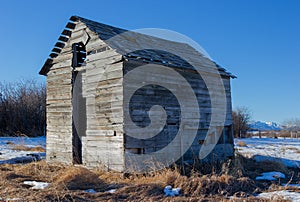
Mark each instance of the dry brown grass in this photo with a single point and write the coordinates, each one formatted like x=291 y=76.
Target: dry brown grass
x=40 y=171
x=26 y=148
x=68 y=183
x=211 y=185
x=268 y=166
x=248 y=167
x=291 y=148
x=241 y=144
x=74 y=178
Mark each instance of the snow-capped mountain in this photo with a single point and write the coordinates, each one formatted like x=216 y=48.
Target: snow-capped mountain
x=263 y=126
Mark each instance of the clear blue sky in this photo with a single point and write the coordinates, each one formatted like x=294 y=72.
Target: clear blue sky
x=257 y=40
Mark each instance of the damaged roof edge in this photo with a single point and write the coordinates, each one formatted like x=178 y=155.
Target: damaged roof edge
x=46 y=67
x=66 y=33
x=63 y=38
x=220 y=68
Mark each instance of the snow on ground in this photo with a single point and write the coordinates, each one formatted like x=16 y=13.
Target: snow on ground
x=91 y=191
x=111 y=191
x=36 y=185
x=276 y=195
x=283 y=150
x=10 y=199
x=270 y=176
x=8 y=155
x=169 y=191
x=286 y=151
x=291 y=185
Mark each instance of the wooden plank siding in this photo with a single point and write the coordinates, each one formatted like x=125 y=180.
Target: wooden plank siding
x=100 y=106
x=103 y=143
x=59 y=114
x=144 y=100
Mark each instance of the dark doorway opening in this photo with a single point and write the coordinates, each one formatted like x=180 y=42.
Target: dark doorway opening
x=79 y=118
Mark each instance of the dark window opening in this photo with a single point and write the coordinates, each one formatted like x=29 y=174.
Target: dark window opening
x=79 y=54
x=105 y=48
x=221 y=139
x=135 y=150
x=226 y=136
x=172 y=124
x=229 y=135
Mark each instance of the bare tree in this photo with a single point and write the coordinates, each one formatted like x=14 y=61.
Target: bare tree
x=293 y=122
x=241 y=118
x=292 y=126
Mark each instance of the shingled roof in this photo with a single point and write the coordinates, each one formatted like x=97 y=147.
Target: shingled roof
x=136 y=46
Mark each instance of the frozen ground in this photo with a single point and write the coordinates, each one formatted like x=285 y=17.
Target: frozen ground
x=9 y=155
x=282 y=150
x=284 y=194
x=286 y=151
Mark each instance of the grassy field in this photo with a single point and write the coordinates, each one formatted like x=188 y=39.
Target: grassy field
x=232 y=181
x=69 y=183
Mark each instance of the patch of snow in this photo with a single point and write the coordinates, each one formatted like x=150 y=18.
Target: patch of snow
x=288 y=195
x=291 y=185
x=169 y=191
x=10 y=156
x=271 y=176
x=90 y=191
x=287 y=162
x=111 y=191
x=282 y=150
x=10 y=199
x=37 y=185
x=28 y=141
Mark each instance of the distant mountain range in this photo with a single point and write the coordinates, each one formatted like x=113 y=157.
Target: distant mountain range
x=264 y=126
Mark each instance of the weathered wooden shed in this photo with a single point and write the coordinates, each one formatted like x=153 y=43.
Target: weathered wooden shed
x=94 y=117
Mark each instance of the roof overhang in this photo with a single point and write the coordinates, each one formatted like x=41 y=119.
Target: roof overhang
x=62 y=40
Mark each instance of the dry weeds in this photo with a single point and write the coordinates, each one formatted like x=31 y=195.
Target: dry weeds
x=248 y=167
x=69 y=182
x=78 y=178
x=26 y=148
x=241 y=144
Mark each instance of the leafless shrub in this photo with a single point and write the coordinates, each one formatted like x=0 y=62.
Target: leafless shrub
x=241 y=117
x=22 y=108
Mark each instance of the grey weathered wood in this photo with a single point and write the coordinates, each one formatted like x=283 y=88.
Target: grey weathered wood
x=106 y=138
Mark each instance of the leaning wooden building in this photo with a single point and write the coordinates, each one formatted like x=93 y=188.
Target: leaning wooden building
x=87 y=103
